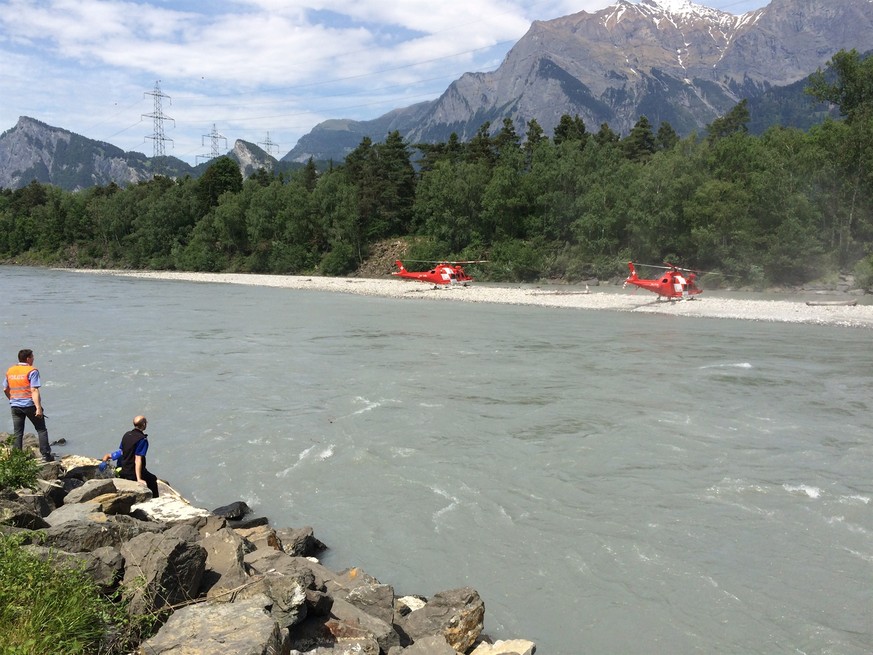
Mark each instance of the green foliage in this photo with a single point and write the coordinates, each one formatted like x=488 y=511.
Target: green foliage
x=863 y=272
x=784 y=207
x=222 y=176
x=47 y=610
x=341 y=260
x=517 y=261
x=852 y=90
x=17 y=467
x=736 y=120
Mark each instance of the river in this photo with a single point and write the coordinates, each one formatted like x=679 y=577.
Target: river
x=609 y=482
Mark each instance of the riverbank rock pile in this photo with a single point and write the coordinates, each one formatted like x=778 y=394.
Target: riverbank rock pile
x=222 y=582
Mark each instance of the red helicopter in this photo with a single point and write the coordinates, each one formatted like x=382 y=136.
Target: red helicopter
x=443 y=273
x=675 y=284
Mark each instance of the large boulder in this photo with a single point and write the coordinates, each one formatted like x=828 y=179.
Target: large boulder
x=161 y=571
x=288 y=594
x=323 y=579
x=240 y=628
x=300 y=542
x=259 y=537
x=233 y=512
x=13 y=512
x=506 y=647
x=225 y=570
x=74 y=512
x=90 y=489
x=167 y=508
x=375 y=599
x=457 y=614
x=54 y=492
x=94 y=530
x=39 y=503
x=432 y=645
x=348 y=621
x=346 y=630
x=103 y=565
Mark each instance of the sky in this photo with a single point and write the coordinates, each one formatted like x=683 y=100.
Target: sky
x=265 y=71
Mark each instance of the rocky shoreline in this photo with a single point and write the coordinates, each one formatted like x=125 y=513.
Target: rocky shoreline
x=831 y=311
x=224 y=582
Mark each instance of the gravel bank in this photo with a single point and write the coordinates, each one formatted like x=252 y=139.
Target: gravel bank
x=615 y=299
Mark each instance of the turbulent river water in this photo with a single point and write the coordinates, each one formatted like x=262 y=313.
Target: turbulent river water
x=608 y=482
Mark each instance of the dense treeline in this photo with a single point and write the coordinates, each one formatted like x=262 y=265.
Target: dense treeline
x=781 y=208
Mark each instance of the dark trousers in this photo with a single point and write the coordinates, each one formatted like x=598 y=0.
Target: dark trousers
x=150 y=478
x=18 y=416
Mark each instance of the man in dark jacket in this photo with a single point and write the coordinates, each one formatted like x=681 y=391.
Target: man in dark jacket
x=134 y=446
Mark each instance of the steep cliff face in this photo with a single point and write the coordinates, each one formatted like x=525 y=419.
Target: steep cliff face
x=250 y=157
x=35 y=151
x=670 y=60
x=51 y=155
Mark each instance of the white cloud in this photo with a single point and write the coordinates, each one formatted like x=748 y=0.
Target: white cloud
x=250 y=66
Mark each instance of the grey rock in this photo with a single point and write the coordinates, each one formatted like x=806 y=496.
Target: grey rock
x=104 y=565
x=20 y=515
x=457 y=614
x=225 y=569
x=95 y=530
x=506 y=647
x=38 y=503
x=161 y=571
x=233 y=512
x=288 y=594
x=72 y=512
x=431 y=645
x=88 y=490
x=300 y=542
x=374 y=599
x=240 y=628
x=351 y=622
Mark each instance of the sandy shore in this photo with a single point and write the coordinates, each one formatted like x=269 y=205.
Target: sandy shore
x=602 y=298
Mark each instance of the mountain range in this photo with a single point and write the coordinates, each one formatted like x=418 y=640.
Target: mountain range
x=669 y=60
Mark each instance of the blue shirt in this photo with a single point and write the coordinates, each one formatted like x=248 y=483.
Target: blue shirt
x=142 y=447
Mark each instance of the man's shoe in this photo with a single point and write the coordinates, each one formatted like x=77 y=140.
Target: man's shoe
x=48 y=458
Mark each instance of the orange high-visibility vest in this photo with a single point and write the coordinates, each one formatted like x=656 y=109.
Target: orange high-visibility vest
x=17 y=377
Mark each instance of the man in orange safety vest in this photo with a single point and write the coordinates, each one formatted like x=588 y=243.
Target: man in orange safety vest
x=21 y=387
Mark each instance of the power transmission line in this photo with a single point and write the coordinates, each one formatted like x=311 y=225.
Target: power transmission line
x=158 y=118
x=268 y=146
x=215 y=136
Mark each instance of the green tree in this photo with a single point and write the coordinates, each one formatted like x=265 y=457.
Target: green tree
x=605 y=135
x=481 y=147
x=448 y=204
x=507 y=138
x=570 y=129
x=852 y=91
x=222 y=176
x=639 y=145
x=847 y=83
x=534 y=136
x=666 y=138
x=736 y=120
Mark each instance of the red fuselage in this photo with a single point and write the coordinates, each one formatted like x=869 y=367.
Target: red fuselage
x=440 y=274
x=672 y=284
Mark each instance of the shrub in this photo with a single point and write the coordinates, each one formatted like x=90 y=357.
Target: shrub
x=17 y=467
x=44 y=609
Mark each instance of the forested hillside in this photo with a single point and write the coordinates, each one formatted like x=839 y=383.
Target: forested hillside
x=784 y=207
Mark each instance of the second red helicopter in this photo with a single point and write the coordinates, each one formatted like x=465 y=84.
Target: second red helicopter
x=674 y=284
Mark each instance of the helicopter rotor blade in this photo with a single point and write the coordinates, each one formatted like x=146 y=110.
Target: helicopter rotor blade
x=446 y=261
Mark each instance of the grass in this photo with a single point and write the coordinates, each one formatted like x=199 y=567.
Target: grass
x=46 y=609
x=17 y=467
